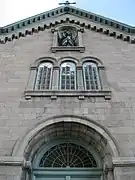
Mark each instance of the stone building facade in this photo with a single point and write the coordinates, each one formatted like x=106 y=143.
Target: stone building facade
x=67 y=98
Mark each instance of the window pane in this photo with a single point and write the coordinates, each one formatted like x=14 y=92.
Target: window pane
x=91 y=77
x=68 y=73
x=72 y=87
x=43 y=80
x=63 y=86
x=67 y=86
x=87 y=87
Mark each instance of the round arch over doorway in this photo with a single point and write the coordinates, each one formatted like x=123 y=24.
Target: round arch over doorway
x=24 y=142
x=66 y=158
x=79 y=131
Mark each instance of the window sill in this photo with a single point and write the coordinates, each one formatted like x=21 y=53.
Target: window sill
x=66 y=48
x=81 y=94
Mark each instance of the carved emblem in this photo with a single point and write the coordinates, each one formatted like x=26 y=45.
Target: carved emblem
x=67 y=37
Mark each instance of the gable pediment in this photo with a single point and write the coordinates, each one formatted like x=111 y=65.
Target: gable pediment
x=67 y=14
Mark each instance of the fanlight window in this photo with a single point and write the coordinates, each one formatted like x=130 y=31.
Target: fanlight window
x=91 y=76
x=44 y=75
x=68 y=76
x=67 y=155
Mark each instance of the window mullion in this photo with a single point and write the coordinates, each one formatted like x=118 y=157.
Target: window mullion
x=40 y=78
x=84 y=77
x=93 y=76
x=89 y=78
x=37 y=85
x=65 y=85
x=70 y=81
x=46 y=78
x=51 y=73
x=60 y=78
x=75 y=86
x=66 y=80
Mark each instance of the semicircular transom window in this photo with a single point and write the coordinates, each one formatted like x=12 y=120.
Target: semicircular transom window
x=67 y=155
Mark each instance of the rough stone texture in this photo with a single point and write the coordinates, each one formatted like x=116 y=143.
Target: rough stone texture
x=18 y=116
x=10 y=173
x=125 y=173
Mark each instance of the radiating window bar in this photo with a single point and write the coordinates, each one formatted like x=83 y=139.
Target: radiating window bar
x=67 y=155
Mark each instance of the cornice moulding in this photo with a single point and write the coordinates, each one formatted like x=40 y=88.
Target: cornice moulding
x=105 y=31
x=67 y=10
x=124 y=162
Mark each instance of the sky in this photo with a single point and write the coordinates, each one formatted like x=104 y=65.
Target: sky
x=15 y=10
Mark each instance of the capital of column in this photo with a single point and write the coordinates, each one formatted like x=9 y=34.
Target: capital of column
x=79 y=67
x=56 y=67
x=27 y=165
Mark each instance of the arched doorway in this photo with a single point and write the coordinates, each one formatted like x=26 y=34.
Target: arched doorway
x=76 y=139
x=66 y=159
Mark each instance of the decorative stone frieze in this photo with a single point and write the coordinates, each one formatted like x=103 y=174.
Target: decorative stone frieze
x=54 y=48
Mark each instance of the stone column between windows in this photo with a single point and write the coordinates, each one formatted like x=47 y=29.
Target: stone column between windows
x=55 y=78
x=32 y=78
x=79 y=78
x=103 y=79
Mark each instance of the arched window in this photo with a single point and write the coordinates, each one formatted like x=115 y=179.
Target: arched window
x=67 y=76
x=91 y=76
x=44 y=76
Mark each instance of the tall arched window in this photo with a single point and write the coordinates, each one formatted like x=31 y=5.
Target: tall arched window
x=67 y=76
x=91 y=76
x=44 y=76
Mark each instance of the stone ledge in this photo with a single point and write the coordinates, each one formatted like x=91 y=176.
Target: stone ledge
x=72 y=48
x=11 y=161
x=70 y=93
x=19 y=161
x=124 y=162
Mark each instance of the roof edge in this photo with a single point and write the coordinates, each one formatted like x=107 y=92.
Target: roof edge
x=112 y=33
x=67 y=9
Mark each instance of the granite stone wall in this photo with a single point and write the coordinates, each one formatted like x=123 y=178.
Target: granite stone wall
x=18 y=115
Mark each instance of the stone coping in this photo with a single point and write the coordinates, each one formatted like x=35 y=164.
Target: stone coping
x=70 y=10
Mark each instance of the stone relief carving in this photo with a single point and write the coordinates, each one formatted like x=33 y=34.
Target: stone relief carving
x=67 y=37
